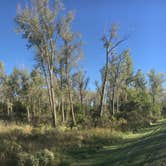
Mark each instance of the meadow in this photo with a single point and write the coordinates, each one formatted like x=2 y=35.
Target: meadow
x=44 y=146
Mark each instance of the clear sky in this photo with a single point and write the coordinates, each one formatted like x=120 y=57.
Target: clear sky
x=144 y=20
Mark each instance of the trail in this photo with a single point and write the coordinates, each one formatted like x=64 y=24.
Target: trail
x=146 y=148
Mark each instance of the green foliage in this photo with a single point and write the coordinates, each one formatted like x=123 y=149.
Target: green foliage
x=80 y=114
x=135 y=120
x=156 y=81
x=139 y=81
x=139 y=110
x=146 y=148
x=26 y=159
x=9 y=149
x=46 y=158
x=19 y=109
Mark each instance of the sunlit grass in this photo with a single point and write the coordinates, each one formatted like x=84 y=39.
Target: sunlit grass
x=10 y=127
x=96 y=146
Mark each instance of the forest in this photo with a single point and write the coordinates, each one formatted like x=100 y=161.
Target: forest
x=50 y=117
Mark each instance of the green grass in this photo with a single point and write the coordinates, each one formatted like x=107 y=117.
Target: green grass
x=148 y=147
x=93 y=147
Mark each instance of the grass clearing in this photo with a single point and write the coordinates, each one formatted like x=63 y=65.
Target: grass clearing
x=93 y=147
x=148 y=147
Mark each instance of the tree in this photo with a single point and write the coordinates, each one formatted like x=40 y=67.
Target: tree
x=2 y=78
x=70 y=55
x=26 y=91
x=38 y=95
x=2 y=81
x=38 y=24
x=139 y=81
x=12 y=89
x=156 y=81
x=119 y=77
x=110 y=42
x=2 y=73
x=81 y=82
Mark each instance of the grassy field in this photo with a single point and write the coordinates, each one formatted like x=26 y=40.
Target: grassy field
x=93 y=147
x=148 y=147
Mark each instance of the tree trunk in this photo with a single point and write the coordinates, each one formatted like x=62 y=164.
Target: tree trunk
x=53 y=101
x=62 y=110
x=81 y=99
x=71 y=106
x=67 y=112
x=103 y=86
x=117 y=102
x=52 y=97
x=69 y=93
x=62 y=96
x=113 y=102
x=153 y=99
x=28 y=114
x=8 y=109
x=34 y=109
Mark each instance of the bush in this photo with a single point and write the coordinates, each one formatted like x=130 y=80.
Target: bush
x=139 y=111
x=9 y=149
x=135 y=120
x=25 y=159
x=46 y=158
x=19 y=109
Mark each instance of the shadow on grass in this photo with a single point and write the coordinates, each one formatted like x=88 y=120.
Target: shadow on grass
x=144 y=151
x=147 y=147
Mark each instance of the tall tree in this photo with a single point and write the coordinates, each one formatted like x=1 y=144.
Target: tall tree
x=70 y=55
x=2 y=76
x=38 y=24
x=139 y=81
x=26 y=91
x=38 y=96
x=156 y=81
x=2 y=81
x=81 y=82
x=119 y=77
x=12 y=89
x=110 y=42
x=2 y=72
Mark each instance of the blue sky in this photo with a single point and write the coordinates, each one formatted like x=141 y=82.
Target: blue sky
x=144 y=20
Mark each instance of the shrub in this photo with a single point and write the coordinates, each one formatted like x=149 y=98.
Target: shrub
x=19 y=109
x=25 y=159
x=46 y=158
x=9 y=149
x=135 y=120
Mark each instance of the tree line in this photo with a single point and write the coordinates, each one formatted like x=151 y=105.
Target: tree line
x=57 y=86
